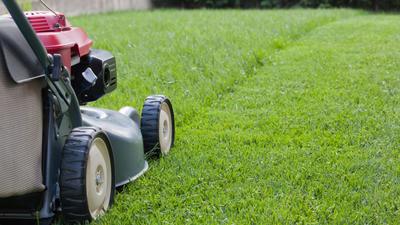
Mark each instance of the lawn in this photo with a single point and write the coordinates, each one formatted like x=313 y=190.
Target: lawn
x=284 y=116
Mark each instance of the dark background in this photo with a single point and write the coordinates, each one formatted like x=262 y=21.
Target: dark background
x=362 y=4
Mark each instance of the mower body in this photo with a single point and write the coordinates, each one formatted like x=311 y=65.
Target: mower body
x=74 y=46
x=125 y=139
x=34 y=191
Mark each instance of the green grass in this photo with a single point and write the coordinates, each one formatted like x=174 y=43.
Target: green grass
x=286 y=116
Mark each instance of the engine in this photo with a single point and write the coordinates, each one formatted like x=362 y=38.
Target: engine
x=93 y=72
x=94 y=76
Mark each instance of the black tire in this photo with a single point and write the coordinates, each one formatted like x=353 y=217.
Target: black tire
x=150 y=123
x=74 y=166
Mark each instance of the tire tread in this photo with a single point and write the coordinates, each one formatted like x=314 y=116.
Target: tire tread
x=73 y=175
x=149 y=123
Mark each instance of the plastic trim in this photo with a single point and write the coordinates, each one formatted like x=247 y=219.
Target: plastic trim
x=146 y=167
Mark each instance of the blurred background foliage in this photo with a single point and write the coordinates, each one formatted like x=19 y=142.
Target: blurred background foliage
x=364 y=4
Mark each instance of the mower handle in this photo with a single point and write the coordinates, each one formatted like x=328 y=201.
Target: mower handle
x=28 y=33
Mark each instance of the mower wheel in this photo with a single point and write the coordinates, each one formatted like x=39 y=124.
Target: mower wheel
x=87 y=175
x=157 y=125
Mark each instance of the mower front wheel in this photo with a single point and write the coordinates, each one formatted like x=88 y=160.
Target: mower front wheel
x=157 y=125
x=87 y=175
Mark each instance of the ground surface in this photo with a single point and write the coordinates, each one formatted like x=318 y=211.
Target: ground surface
x=282 y=116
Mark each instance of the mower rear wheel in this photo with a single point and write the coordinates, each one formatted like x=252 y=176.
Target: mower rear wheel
x=87 y=176
x=157 y=125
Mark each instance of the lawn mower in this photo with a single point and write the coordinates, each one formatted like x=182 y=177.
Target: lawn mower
x=59 y=156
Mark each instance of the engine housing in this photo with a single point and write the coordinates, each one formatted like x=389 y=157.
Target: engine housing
x=103 y=65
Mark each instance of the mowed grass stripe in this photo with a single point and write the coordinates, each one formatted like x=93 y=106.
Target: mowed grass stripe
x=327 y=124
x=195 y=56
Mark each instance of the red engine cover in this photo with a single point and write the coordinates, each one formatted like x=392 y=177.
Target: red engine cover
x=58 y=36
